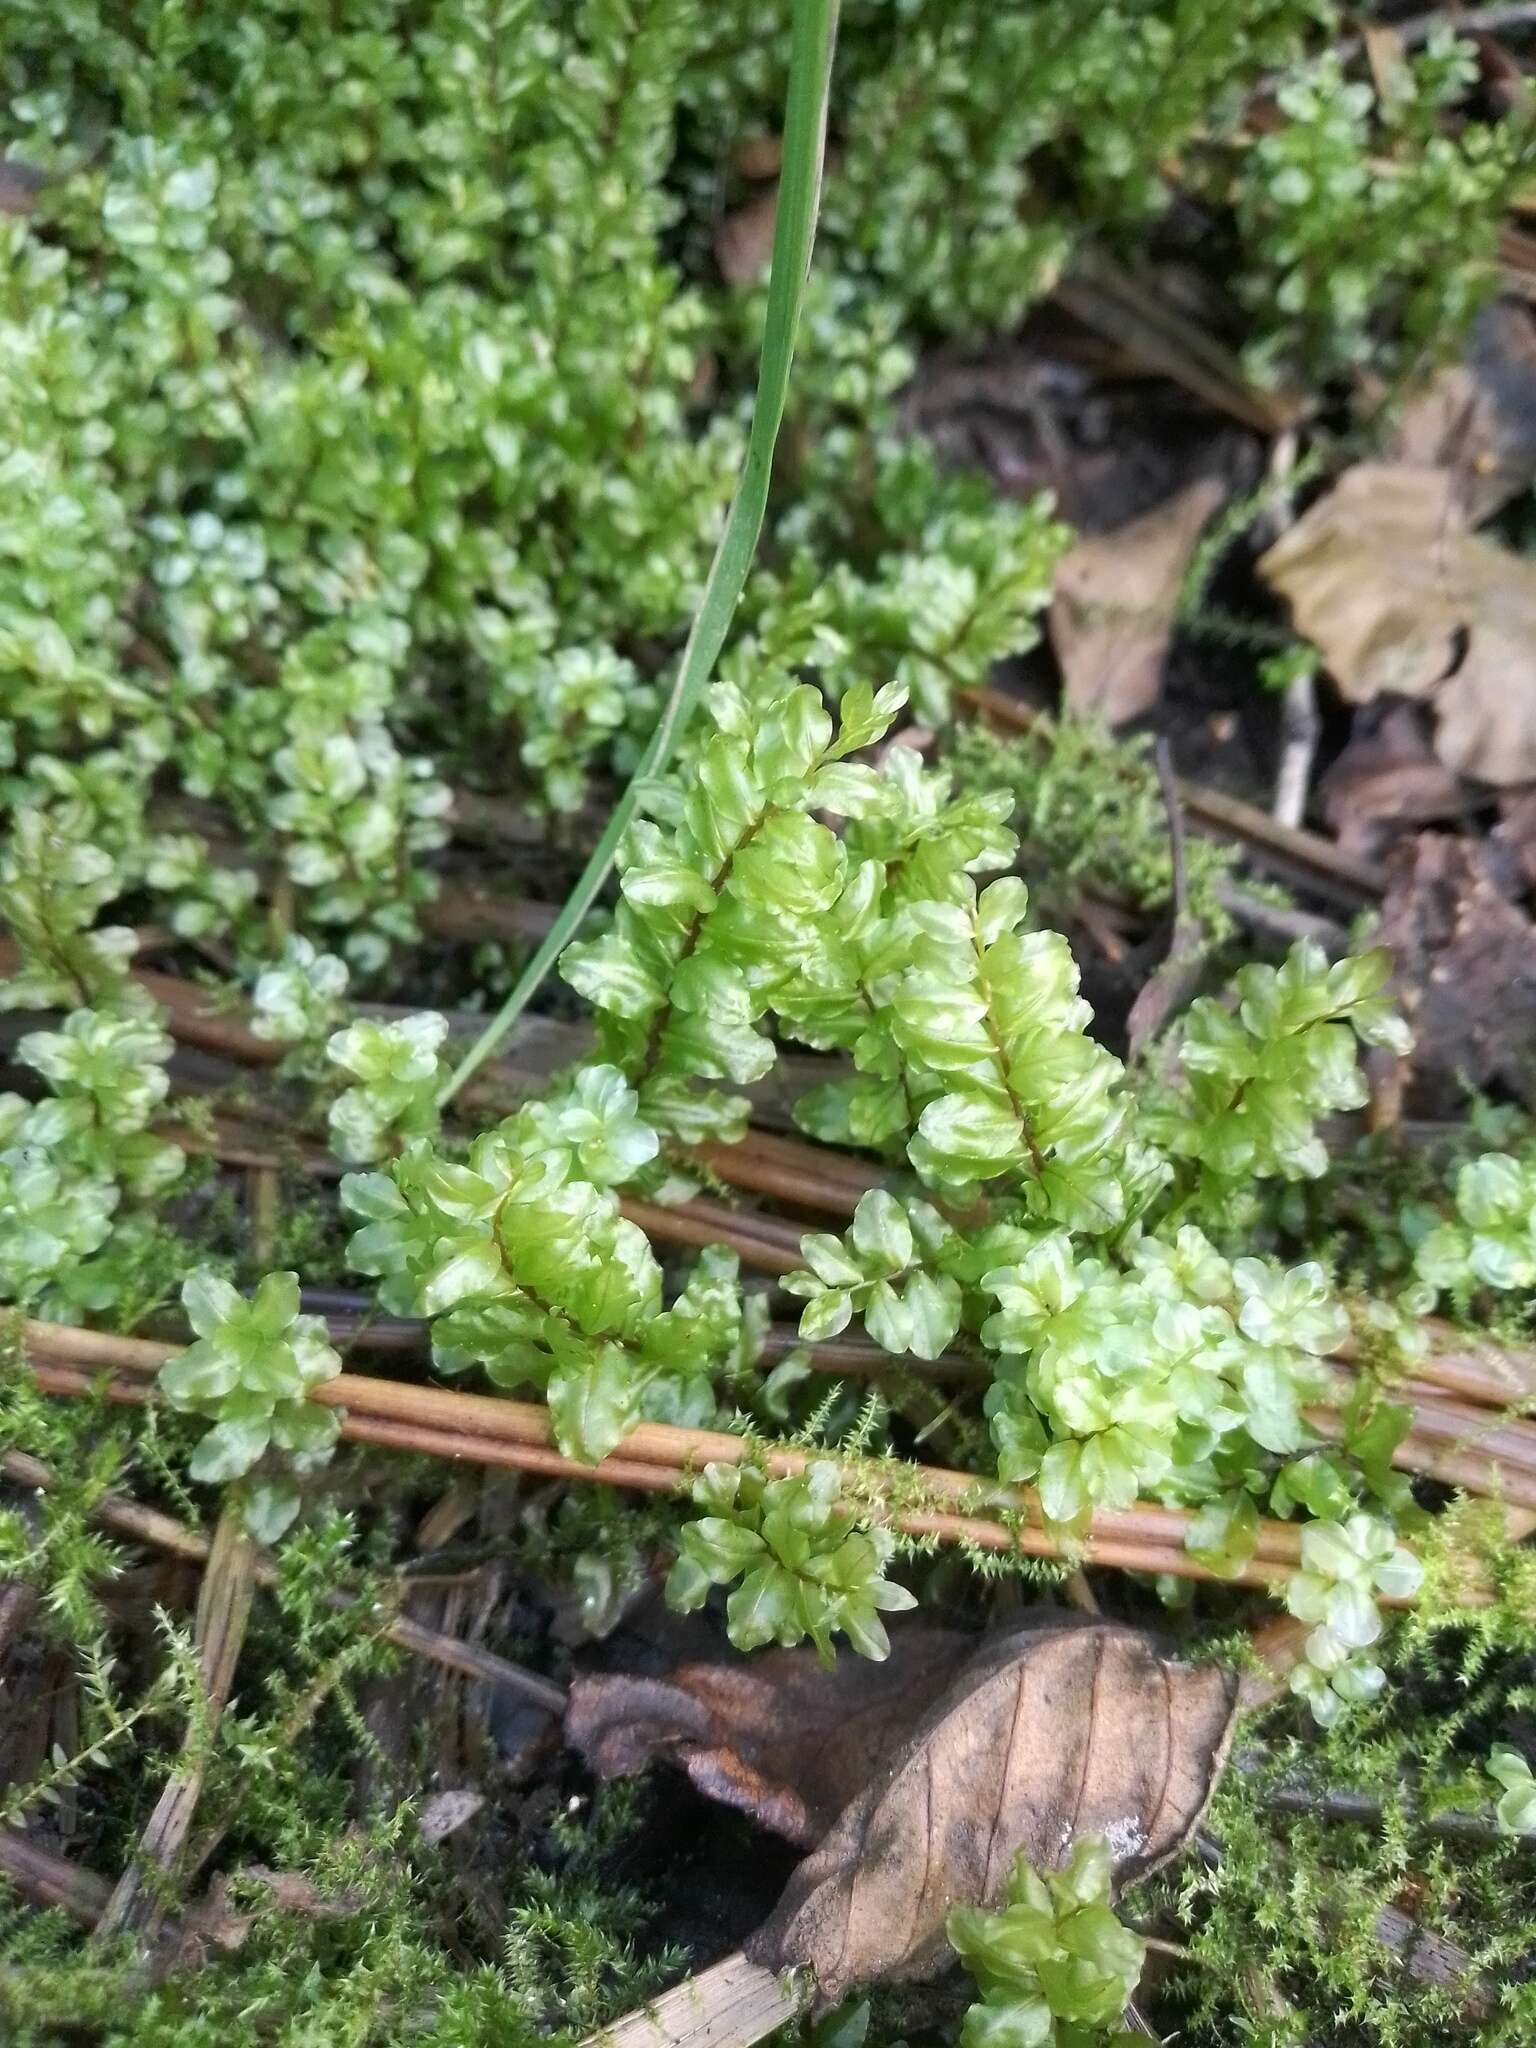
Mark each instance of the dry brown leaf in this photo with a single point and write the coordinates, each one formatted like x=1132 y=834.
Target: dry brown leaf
x=215 y=1924
x=1477 y=418
x=778 y=1736
x=1385 y=55
x=446 y=1812
x=1399 y=597
x=1387 y=781
x=1047 y=1735
x=744 y=239
x=1466 y=970
x=1112 y=611
x=758 y=156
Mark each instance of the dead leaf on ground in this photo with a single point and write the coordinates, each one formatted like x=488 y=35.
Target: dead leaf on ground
x=758 y=156
x=215 y=1923
x=1388 y=780
x=1466 y=971
x=1400 y=598
x=1047 y=1735
x=446 y=1812
x=1476 y=419
x=1111 y=617
x=744 y=239
x=777 y=1736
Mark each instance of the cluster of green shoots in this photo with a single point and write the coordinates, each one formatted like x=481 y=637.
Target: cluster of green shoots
x=251 y=1370
x=288 y=315
x=1040 y=1220
x=249 y=574
x=805 y=1573
x=1054 y=1965
x=370 y=403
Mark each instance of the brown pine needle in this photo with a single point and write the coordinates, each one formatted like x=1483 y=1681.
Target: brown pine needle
x=923 y=1501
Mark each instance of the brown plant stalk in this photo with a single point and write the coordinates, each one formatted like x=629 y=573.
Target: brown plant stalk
x=933 y=1502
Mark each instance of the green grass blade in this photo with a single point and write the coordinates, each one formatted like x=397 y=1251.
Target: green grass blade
x=794 y=229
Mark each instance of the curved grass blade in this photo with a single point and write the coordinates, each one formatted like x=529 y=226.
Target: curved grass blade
x=805 y=123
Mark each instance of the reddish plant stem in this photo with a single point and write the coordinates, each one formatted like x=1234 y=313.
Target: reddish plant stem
x=1145 y=1538
x=658 y=1457
x=476 y=1421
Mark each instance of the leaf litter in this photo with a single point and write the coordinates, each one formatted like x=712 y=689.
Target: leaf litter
x=1023 y=1750
x=1025 y=1753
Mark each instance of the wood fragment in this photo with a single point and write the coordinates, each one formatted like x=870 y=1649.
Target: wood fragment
x=262 y=1192
x=730 y=2005
x=50 y=1881
x=1301 y=728
x=137 y=1904
x=18 y=1603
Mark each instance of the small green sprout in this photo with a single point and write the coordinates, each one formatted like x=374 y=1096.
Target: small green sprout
x=1054 y=1966
x=251 y=1372
x=806 y=1570
x=1492 y=1242
x=1344 y=1566
x=396 y=1069
x=1516 y=1808
x=298 y=999
x=878 y=1270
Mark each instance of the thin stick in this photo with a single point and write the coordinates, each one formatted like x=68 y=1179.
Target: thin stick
x=476 y=1415
x=814 y=24
x=764 y=1244
x=1178 y=974
x=761 y=1243
x=261 y=1185
x=1495 y=1379
x=1173 y=807
x=137 y=1903
x=806 y=1176
x=1146 y=1538
x=1324 y=865
x=443 y=1422
x=1301 y=728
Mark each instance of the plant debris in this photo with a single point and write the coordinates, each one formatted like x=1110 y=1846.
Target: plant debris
x=1466 y=971
x=510 y=872
x=1116 y=594
x=780 y=1736
x=1385 y=577
x=1027 y=1751
x=1389 y=781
